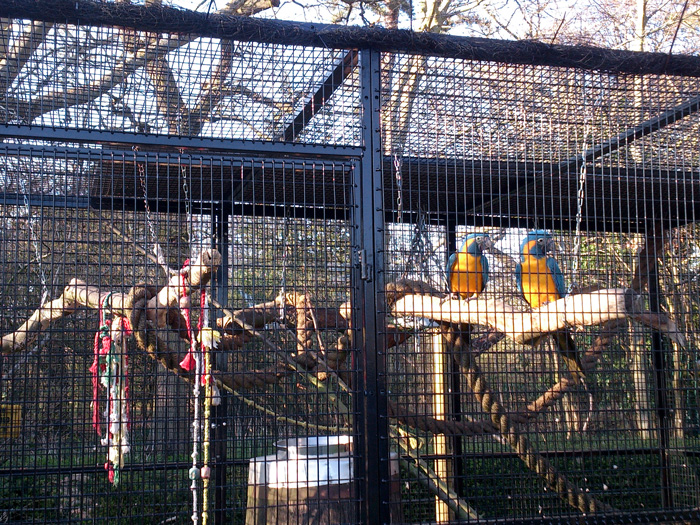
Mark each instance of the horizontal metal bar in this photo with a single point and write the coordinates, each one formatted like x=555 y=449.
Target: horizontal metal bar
x=279 y=210
x=665 y=516
x=252 y=147
x=91 y=469
x=189 y=157
x=33 y=199
x=163 y=19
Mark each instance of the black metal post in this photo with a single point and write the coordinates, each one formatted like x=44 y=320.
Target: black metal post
x=660 y=361
x=372 y=466
x=455 y=394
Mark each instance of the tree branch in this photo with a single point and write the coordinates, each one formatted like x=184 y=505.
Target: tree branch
x=20 y=53
x=78 y=294
x=523 y=326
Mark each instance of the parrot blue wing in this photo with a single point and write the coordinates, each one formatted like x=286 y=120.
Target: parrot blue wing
x=519 y=277
x=450 y=265
x=557 y=276
x=485 y=269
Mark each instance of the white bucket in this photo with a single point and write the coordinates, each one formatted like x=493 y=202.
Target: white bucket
x=305 y=462
x=309 y=480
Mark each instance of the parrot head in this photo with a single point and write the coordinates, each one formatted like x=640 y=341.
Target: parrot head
x=476 y=243
x=538 y=244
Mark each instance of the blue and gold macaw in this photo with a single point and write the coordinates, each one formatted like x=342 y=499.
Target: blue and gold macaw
x=540 y=281
x=468 y=267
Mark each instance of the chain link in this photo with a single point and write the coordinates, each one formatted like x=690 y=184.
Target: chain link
x=399 y=186
x=581 y=194
x=186 y=191
x=142 y=180
x=33 y=239
x=579 y=217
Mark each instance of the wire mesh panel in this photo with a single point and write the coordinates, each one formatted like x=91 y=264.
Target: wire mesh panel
x=245 y=257
x=293 y=413
x=542 y=270
x=122 y=80
x=100 y=430
x=80 y=244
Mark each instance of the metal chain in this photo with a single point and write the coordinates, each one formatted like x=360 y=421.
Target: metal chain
x=285 y=258
x=186 y=192
x=399 y=187
x=579 y=216
x=142 y=180
x=33 y=240
x=580 y=196
x=8 y=375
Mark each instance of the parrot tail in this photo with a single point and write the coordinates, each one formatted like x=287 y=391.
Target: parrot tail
x=568 y=351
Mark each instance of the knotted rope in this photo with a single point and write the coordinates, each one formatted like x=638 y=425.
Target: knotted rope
x=508 y=429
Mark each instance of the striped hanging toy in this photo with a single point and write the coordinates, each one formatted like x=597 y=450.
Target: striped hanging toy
x=110 y=369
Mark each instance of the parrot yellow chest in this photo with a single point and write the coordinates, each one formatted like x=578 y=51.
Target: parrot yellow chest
x=467 y=277
x=537 y=282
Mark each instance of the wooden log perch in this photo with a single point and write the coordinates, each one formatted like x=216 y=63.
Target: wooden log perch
x=586 y=309
x=78 y=294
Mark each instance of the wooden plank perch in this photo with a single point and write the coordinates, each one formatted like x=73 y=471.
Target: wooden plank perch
x=587 y=309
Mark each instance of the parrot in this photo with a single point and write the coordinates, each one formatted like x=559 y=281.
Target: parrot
x=468 y=267
x=540 y=281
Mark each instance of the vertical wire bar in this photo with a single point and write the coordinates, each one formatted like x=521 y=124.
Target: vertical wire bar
x=221 y=237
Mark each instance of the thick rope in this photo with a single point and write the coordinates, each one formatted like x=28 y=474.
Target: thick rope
x=110 y=369
x=501 y=421
x=558 y=482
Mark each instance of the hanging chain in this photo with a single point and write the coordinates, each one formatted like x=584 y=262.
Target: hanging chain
x=186 y=191
x=399 y=187
x=581 y=194
x=6 y=378
x=33 y=239
x=579 y=216
x=142 y=180
x=285 y=260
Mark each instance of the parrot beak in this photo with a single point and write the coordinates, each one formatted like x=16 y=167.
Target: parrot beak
x=552 y=246
x=486 y=243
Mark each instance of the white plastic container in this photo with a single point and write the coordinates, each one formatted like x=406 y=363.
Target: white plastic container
x=305 y=462
x=309 y=480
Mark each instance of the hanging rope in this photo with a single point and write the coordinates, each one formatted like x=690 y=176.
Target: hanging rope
x=103 y=341
x=193 y=360
x=209 y=340
x=189 y=362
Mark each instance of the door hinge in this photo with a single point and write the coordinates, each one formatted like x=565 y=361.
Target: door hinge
x=365 y=269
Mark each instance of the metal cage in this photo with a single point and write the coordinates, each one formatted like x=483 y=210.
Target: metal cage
x=261 y=272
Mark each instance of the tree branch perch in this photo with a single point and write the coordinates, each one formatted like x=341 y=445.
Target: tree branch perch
x=587 y=309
